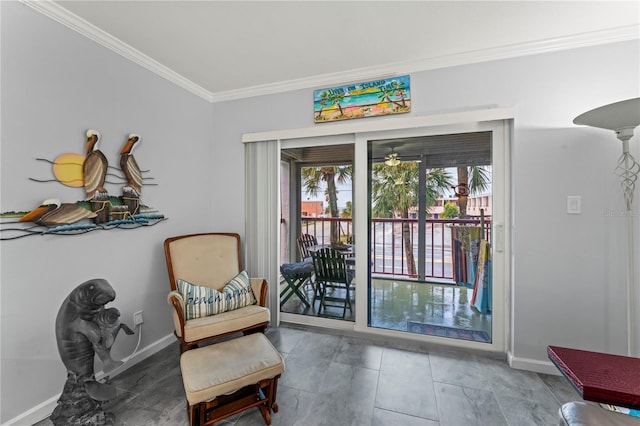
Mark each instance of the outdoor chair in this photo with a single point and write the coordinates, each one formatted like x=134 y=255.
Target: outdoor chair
x=211 y=294
x=305 y=241
x=332 y=274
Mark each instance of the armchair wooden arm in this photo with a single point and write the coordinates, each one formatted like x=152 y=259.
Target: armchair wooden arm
x=176 y=300
x=259 y=287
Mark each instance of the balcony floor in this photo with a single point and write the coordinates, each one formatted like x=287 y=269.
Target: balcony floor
x=397 y=302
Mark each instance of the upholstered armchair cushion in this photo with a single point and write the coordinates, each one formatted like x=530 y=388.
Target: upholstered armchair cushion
x=207 y=260
x=220 y=324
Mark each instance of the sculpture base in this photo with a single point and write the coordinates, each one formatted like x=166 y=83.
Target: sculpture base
x=76 y=408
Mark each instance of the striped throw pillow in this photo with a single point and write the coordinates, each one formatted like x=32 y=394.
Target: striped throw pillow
x=238 y=292
x=204 y=301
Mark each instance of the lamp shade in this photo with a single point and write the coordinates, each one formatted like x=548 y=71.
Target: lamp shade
x=616 y=116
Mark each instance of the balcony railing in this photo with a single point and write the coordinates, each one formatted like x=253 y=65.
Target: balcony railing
x=434 y=260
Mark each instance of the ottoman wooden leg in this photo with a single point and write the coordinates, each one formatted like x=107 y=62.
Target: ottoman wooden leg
x=266 y=415
x=269 y=403
x=202 y=414
x=274 y=386
x=264 y=390
x=192 y=411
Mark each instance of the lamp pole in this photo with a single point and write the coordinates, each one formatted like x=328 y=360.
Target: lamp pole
x=628 y=170
x=622 y=117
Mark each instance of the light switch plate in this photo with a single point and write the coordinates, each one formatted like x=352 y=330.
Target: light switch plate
x=574 y=204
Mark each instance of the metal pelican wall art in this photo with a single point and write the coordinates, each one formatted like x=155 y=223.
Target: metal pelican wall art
x=98 y=210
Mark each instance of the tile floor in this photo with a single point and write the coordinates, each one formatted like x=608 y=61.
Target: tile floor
x=395 y=302
x=338 y=379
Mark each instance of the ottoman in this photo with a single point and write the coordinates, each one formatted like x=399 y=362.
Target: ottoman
x=225 y=378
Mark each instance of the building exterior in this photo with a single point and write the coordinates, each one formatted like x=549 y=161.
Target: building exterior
x=312 y=209
x=475 y=204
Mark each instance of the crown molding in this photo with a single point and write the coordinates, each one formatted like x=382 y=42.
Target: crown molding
x=626 y=33
x=76 y=23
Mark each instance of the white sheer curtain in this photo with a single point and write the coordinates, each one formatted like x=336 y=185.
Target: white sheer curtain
x=261 y=216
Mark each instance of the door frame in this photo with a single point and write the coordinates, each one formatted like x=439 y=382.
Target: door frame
x=497 y=120
x=500 y=153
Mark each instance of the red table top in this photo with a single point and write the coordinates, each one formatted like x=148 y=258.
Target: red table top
x=600 y=377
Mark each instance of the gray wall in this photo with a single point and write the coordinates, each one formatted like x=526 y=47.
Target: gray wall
x=55 y=85
x=568 y=270
x=568 y=285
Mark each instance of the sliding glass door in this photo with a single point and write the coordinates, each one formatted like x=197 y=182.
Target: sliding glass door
x=420 y=263
x=430 y=200
x=317 y=206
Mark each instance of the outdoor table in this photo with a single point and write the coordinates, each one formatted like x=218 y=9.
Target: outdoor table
x=295 y=275
x=348 y=252
x=599 y=377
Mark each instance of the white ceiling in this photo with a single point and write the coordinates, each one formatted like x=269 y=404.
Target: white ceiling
x=233 y=49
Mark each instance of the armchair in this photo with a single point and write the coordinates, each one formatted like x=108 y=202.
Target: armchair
x=211 y=260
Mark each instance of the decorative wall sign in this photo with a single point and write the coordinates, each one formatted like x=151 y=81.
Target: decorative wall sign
x=99 y=209
x=369 y=99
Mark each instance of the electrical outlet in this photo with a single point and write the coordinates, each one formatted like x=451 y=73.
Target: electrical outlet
x=137 y=318
x=574 y=204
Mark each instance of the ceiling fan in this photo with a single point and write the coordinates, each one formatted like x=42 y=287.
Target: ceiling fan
x=392 y=159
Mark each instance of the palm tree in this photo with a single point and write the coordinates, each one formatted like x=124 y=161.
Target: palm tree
x=335 y=99
x=324 y=101
x=311 y=180
x=396 y=88
x=394 y=190
x=478 y=182
x=348 y=209
x=399 y=89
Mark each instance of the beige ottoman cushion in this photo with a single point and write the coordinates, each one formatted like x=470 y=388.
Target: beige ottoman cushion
x=224 y=367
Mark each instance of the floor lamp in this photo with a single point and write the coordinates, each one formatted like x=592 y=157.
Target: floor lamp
x=622 y=117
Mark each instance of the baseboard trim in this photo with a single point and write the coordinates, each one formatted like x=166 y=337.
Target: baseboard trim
x=139 y=356
x=544 y=367
x=45 y=408
x=35 y=414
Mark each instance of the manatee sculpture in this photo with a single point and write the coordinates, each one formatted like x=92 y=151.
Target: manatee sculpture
x=109 y=325
x=85 y=328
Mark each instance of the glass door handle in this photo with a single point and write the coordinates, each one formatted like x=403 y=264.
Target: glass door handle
x=499 y=237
